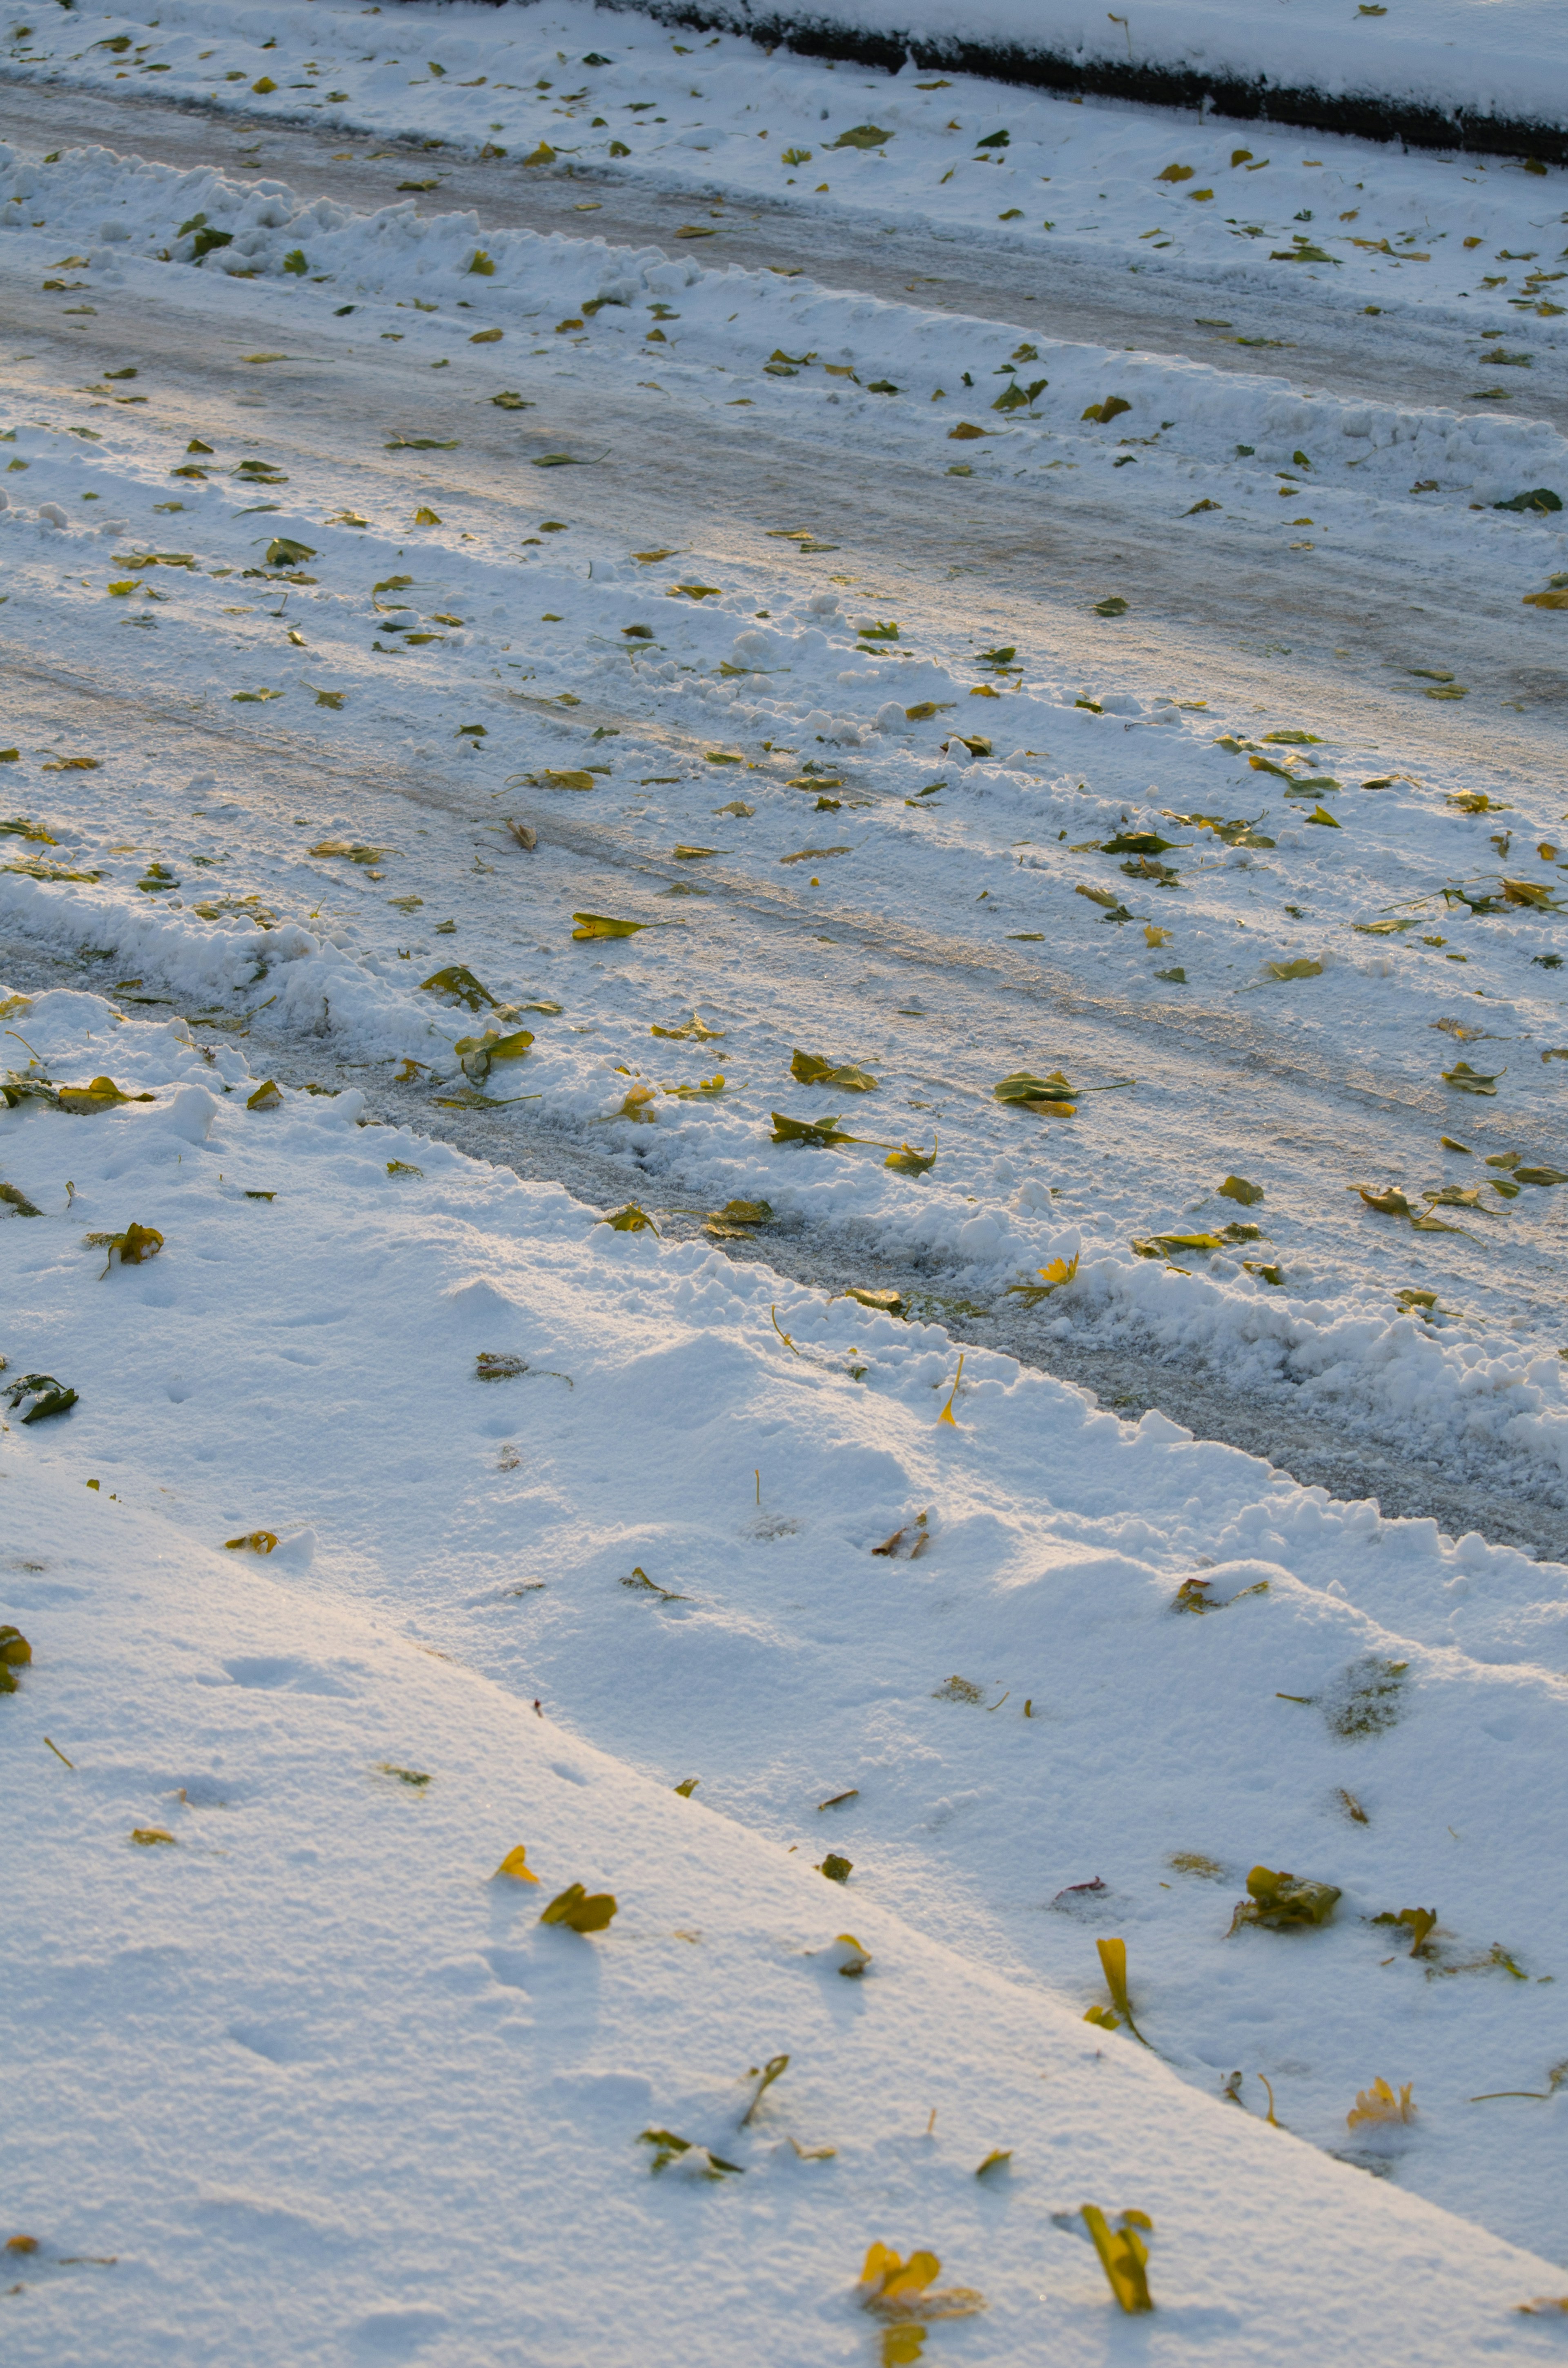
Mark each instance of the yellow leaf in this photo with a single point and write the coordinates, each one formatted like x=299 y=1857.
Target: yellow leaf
x=1379 y=2103
x=571 y=780
x=581 y=1911
x=946 y=1414
x=1155 y=936
x=600 y=925
x=149 y=1837
x=516 y=1864
x=909 y=1160
x=254 y=1542
x=1175 y=172
x=1303 y=967
x=265 y=1097
x=898 y=2290
x=424 y=516
x=1123 y=2255
x=486 y=336
x=1237 y=1187
x=102 y=1094
x=693 y=1027
x=629 y=1220
x=809 y=1070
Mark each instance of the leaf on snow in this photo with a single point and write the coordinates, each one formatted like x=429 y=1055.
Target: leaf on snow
x=516 y=1865
x=600 y=925
x=253 y=1542
x=905 y=2293
x=1379 y=2103
x=1283 y=1902
x=807 y=1069
x=459 y=983
x=580 y=1911
x=1123 y=2255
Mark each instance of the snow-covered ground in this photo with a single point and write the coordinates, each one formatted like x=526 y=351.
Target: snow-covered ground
x=578 y=89
x=520 y=715
x=305 y=2065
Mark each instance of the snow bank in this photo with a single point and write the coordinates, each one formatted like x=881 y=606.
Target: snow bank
x=1483 y=74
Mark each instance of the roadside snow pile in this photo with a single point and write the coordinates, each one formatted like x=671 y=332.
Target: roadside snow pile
x=249 y=229
x=1007 y=168
x=1016 y=1676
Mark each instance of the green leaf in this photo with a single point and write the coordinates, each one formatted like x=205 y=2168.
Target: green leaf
x=1103 y=412
x=1047 y=1097
x=36 y=1397
x=836 y=1868
x=600 y=925
x=1466 y=1080
x=864 y=135
x=458 y=981
x=15 y=1198
x=1302 y=967
x=633 y=1219
x=1124 y=2257
x=1237 y=1187
x=668 y=2147
x=1284 y=1902
x=807 y=1069
x=101 y=1094
x=774 y=2069
x=580 y=1911
x=909 y=1160
x=737 y=1219
x=284 y=551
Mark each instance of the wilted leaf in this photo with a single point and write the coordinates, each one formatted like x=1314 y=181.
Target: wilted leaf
x=13 y=1197
x=1367 y=1699
x=883 y=1302
x=132 y=1247
x=807 y=1069
x=1169 y=1245
x=1237 y=1187
x=1051 y=1095
x=1112 y=408
x=1379 y=2103
x=692 y=1026
x=774 y=2069
x=1466 y=1080
x=821 y=1133
x=1192 y=1595
x=253 y=1542
x=737 y=1219
x=694 y=2160
x=1303 y=967
x=459 y=983
x=600 y=925
x=149 y=1837
x=864 y=135
x=641 y=1584
x=35 y=1397
x=16 y=1652
x=1540 y=1176
x=1418 y=1922
x=1284 y=1902
x=475 y=1053
x=581 y=1911
x=908 y=1160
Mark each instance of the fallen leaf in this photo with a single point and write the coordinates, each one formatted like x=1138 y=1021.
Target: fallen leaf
x=629 y=1220
x=1284 y=1902
x=807 y=1069
x=516 y=1865
x=600 y=925
x=254 y=1542
x=903 y=2292
x=459 y=983
x=1378 y=2104
x=1237 y=1187
x=581 y=1911
x=1047 y=1097
x=1123 y=2255
x=1302 y=967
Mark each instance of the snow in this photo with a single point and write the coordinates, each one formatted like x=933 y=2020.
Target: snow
x=314 y=2067
x=396 y=707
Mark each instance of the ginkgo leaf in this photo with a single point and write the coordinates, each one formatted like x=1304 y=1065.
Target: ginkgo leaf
x=822 y=1135
x=459 y=983
x=997 y=2159
x=253 y=1542
x=909 y=1160
x=1281 y=1901
x=1302 y=967
x=692 y=1026
x=34 y=1397
x=905 y=2292
x=1123 y=2255
x=149 y=1837
x=1418 y=1922
x=580 y=1911
x=1237 y=1187
x=573 y=780
x=516 y=1865
x=100 y=1095
x=1466 y=1080
x=695 y=2160
x=737 y=1218
x=1051 y=1095
x=1053 y=1277
x=807 y=1069
x=774 y=2069
x=633 y=1219
x=1112 y=408
x=966 y=432
x=1113 y=1965
x=864 y=135
x=284 y=551
x=16 y=1653
x=1379 y=2103
x=641 y=1584
x=600 y=925
x=132 y=1247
